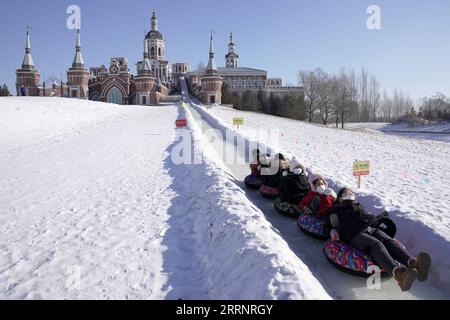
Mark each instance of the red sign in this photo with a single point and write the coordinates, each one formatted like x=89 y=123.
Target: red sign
x=362 y=173
x=181 y=123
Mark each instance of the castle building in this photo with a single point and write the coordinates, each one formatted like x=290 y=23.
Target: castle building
x=116 y=84
x=78 y=75
x=27 y=77
x=211 y=82
x=156 y=45
x=242 y=79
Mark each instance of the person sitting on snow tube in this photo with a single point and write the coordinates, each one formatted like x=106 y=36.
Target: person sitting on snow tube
x=320 y=199
x=293 y=186
x=351 y=224
x=271 y=173
x=255 y=180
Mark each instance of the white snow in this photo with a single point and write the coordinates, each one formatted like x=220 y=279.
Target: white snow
x=92 y=206
x=408 y=177
x=437 y=131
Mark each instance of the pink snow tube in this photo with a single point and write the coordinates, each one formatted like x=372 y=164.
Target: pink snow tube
x=269 y=192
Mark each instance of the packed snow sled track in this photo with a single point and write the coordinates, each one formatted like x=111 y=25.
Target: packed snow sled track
x=339 y=285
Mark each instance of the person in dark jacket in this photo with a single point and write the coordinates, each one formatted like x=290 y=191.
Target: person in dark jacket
x=294 y=184
x=272 y=169
x=353 y=225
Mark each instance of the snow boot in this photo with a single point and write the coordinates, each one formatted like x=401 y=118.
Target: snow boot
x=422 y=263
x=405 y=277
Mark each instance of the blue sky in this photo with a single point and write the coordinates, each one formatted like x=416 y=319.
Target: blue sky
x=410 y=52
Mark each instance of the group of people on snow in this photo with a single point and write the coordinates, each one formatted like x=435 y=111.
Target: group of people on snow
x=346 y=219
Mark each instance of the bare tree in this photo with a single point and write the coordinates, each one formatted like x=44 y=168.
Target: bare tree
x=345 y=95
x=310 y=82
x=328 y=85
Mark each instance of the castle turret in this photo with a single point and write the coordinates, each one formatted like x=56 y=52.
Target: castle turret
x=211 y=81
x=27 y=77
x=232 y=58
x=78 y=75
x=145 y=82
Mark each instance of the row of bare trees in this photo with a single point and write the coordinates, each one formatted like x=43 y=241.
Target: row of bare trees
x=349 y=96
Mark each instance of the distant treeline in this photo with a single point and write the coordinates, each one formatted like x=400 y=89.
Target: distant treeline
x=340 y=98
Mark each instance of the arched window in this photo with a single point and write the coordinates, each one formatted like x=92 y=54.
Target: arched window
x=114 y=96
x=152 y=52
x=159 y=52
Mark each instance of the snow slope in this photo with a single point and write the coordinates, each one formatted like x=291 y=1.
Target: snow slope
x=433 y=131
x=93 y=206
x=408 y=177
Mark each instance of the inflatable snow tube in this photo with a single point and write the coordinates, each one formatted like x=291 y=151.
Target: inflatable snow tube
x=253 y=182
x=269 y=192
x=286 y=208
x=312 y=226
x=349 y=259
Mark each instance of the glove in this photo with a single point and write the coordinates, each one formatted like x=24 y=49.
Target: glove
x=334 y=234
x=307 y=210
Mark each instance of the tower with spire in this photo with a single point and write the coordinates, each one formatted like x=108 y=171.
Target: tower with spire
x=232 y=58
x=156 y=45
x=27 y=77
x=78 y=75
x=145 y=81
x=211 y=81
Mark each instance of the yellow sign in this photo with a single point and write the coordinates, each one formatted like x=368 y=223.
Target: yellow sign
x=238 y=121
x=361 y=168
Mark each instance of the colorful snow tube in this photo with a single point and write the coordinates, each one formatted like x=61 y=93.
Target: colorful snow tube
x=349 y=259
x=312 y=226
x=269 y=192
x=286 y=208
x=253 y=182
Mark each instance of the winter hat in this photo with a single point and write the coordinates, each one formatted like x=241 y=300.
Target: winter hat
x=313 y=178
x=295 y=164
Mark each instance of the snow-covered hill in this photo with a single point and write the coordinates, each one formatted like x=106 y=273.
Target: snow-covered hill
x=433 y=131
x=92 y=206
x=408 y=177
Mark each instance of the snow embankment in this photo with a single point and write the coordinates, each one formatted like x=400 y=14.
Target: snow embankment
x=408 y=177
x=227 y=249
x=33 y=119
x=439 y=131
x=84 y=216
x=92 y=206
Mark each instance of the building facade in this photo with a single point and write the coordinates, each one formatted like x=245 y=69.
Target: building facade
x=242 y=79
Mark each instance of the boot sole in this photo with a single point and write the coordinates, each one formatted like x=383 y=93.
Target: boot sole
x=410 y=277
x=423 y=265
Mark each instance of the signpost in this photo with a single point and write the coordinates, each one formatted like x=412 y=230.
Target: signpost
x=361 y=168
x=181 y=123
x=238 y=122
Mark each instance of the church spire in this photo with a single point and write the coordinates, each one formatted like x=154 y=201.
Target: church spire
x=146 y=67
x=154 y=22
x=78 y=61
x=232 y=59
x=28 y=59
x=211 y=63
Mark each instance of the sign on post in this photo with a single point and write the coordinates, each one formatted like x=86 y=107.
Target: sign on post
x=181 y=123
x=238 y=122
x=361 y=168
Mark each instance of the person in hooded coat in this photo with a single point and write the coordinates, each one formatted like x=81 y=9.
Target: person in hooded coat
x=320 y=199
x=353 y=225
x=294 y=184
